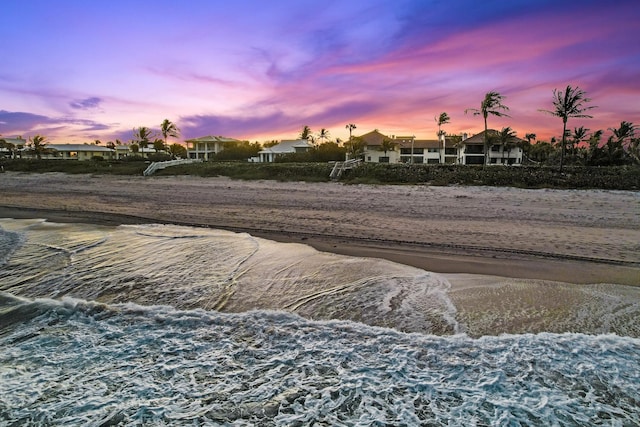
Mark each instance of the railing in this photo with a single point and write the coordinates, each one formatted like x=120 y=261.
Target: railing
x=156 y=166
x=340 y=167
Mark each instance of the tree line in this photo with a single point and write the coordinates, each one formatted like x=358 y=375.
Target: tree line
x=577 y=147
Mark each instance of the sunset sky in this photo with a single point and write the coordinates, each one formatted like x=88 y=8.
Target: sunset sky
x=77 y=70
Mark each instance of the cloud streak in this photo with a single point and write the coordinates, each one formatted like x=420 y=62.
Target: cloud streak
x=86 y=104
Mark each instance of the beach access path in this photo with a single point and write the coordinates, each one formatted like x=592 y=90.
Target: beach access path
x=574 y=236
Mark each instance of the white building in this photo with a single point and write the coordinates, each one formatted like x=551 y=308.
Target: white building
x=408 y=149
x=206 y=146
x=77 y=151
x=471 y=151
x=270 y=154
x=11 y=147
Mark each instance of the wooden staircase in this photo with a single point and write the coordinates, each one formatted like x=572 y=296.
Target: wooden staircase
x=340 y=167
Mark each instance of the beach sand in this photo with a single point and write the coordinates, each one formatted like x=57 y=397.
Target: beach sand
x=489 y=242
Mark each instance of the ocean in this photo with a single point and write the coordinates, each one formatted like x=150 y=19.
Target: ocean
x=169 y=325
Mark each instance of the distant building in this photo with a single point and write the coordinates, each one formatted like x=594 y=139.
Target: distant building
x=77 y=151
x=471 y=151
x=206 y=146
x=11 y=147
x=373 y=151
x=446 y=150
x=270 y=154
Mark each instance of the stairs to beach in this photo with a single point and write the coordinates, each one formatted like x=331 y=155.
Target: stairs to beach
x=340 y=167
x=155 y=166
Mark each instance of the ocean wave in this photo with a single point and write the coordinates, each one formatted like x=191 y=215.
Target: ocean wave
x=78 y=362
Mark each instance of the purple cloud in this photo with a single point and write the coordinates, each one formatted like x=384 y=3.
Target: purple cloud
x=86 y=104
x=19 y=121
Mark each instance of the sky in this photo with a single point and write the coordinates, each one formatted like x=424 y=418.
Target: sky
x=76 y=70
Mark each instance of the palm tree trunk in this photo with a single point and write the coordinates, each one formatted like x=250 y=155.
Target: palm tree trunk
x=486 y=150
x=564 y=133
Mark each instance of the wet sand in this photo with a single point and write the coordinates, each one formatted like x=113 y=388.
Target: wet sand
x=518 y=260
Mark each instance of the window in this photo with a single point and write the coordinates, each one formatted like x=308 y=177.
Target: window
x=433 y=161
x=383 y=159
x=432 y=150
x=495 y=148
x=476 y=160
x=475 y=149
x=450 y=151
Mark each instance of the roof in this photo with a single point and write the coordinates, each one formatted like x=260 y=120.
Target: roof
x=373 y=138
x=288 y=146
x=211 y=138
x=425 y=143
x=79 y=147
x=491 y=133
x=14 y=141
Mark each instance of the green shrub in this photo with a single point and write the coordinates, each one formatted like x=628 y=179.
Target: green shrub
x=609 y=178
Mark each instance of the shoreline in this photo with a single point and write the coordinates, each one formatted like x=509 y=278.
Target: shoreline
x=517 y=261
x=461 y=268
x=571 y=236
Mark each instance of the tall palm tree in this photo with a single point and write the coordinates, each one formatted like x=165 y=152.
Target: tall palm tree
x=323 y=134
x=491 y=104
x=570 y=103
x=351 y=127
x=442 y=119
x=142 y=136
x=168 y=129
x=38 y=145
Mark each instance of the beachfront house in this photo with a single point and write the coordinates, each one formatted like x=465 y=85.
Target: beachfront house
x=408 y=149
x=12 y=147
x=206 y=147
x=77 y=152
x=380 y=148
x=292 y=146
x=471 y=150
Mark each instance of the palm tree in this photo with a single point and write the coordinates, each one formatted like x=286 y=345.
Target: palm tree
x=355 y=147
x=579 y=135
x=626 y=130
x=323 y=134
x=530 y=136
x=168 y=129
x=306 y=132
x=491 y=104
x=38 y=145
x=569 y=103
x=142 y=136
x=442 y=119
x=387 y=145
x=351 y=127
x=505 y=137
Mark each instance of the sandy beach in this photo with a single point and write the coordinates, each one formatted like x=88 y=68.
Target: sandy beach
x=488 y=242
